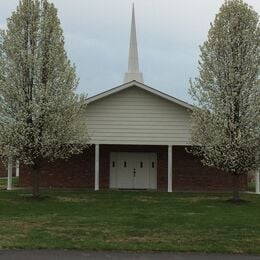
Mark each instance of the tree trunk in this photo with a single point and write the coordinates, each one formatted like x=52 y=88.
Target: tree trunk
x=236 y=179
x=35 y=181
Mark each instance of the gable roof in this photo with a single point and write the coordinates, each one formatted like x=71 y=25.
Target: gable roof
x=134 y=83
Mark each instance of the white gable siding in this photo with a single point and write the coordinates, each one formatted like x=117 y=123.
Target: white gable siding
x=135 y=116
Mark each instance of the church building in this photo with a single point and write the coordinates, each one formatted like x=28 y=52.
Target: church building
x=139 y=137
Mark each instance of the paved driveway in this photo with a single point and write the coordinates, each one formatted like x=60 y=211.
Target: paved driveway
x=80 y=255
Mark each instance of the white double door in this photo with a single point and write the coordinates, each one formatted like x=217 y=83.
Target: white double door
x=133 y=170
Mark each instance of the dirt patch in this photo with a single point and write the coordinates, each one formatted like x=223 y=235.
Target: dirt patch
x=147 y=199
x=74 y=199
x=136 y=239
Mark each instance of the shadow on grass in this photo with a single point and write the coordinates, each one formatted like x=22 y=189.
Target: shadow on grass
x=237 y=202
x=30 y=197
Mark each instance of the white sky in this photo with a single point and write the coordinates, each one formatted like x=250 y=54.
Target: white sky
x=169 y=33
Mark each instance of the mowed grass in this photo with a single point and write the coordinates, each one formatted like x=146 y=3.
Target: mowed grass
x=135 y=221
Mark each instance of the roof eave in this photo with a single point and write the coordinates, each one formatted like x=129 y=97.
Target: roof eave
x=142 y=86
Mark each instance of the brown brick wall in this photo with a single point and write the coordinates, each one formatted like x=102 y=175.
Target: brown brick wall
x=3 y=170
x=79 y=171
x=190 y=174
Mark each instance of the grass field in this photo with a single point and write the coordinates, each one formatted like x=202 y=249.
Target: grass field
x=136 y=221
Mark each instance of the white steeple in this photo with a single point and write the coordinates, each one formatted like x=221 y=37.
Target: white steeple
x=133 y=65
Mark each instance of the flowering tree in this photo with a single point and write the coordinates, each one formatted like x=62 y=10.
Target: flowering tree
x=226 y=122
x=39 y=109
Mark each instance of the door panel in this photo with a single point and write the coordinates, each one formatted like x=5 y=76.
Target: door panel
x=125 y=171
x=152 y=171
x=141 y=180
x=113 y=170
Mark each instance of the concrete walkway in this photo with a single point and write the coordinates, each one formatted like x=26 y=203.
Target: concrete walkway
x=81 y=255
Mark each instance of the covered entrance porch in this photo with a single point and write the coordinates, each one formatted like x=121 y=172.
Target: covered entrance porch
x=133 y=167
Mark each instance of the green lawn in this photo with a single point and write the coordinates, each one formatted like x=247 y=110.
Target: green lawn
x=130 y=221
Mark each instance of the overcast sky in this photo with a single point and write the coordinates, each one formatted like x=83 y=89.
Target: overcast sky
x=169 y=33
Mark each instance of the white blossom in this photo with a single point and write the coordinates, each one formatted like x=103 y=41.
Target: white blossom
x=226 y=122
x=39 y=108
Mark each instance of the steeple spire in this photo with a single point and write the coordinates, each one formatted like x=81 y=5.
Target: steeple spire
x=133 y=65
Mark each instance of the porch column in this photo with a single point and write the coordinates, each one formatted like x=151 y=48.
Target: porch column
x=170 y=168
x=96 y=167
x=17 y=168
x=257 y=182
x=10 y=174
